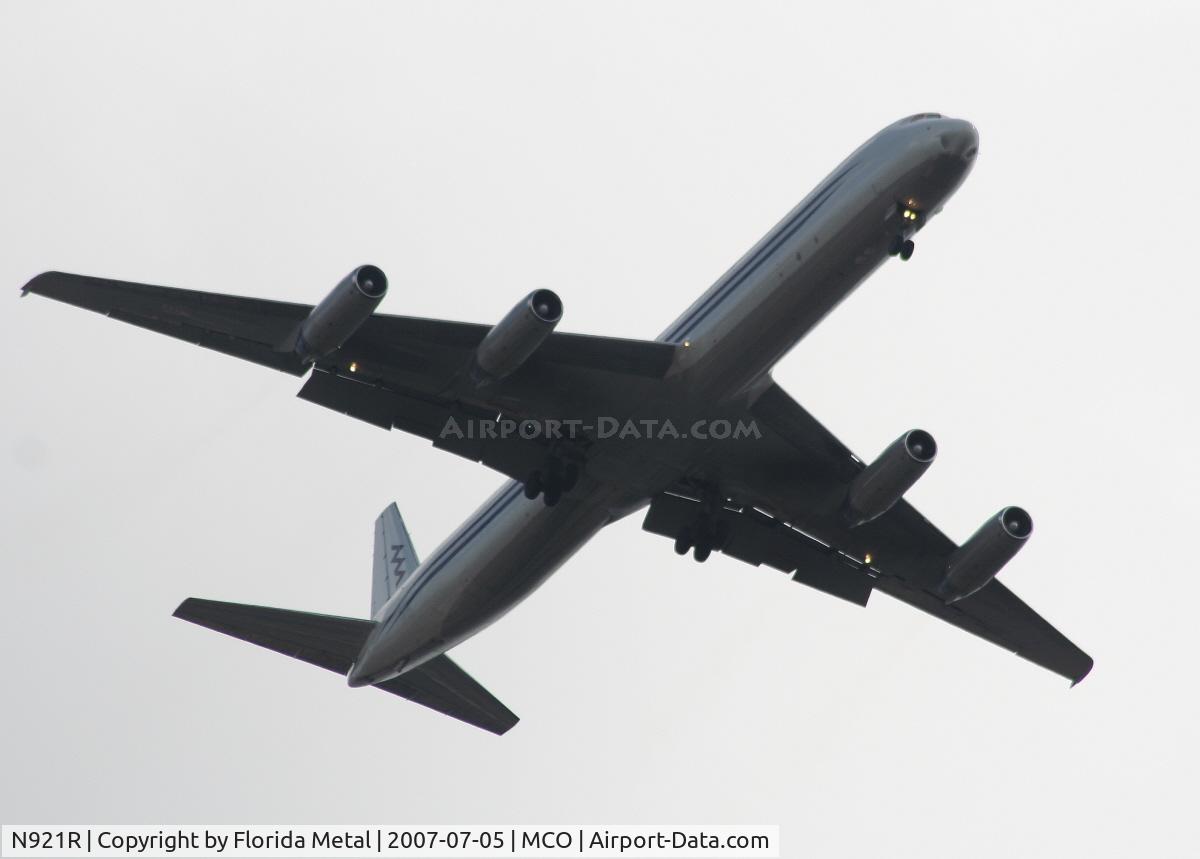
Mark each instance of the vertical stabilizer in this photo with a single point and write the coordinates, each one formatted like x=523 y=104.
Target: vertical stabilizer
x=395 y=557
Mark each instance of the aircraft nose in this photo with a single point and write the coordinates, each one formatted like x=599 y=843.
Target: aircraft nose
x=960 y=138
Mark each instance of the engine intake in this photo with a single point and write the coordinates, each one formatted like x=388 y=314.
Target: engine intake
x=882 y=483
x=977 y=561
x=515 y=337
x=342 y=312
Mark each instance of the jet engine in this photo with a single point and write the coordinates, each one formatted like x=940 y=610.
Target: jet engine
x=515 y=337
x=882 y=483
x=977 y=561
x=342 y=312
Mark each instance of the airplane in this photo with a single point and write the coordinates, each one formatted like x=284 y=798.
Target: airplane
x=783 y=492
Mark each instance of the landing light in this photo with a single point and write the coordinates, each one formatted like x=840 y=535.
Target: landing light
x=353 y=366
x=867 y=558
x=910 y=214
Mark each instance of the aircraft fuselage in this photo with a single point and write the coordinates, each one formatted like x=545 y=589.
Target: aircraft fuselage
x=728 y=341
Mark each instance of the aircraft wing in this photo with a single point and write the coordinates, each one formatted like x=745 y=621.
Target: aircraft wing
x=786 y=488
x=395 y=371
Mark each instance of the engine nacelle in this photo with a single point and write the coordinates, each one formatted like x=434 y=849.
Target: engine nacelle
x=515 y=337
x=977 y=561
x=342 y=312
x=882 y=483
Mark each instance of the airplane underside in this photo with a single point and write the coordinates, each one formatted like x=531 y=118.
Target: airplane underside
x=588 y=429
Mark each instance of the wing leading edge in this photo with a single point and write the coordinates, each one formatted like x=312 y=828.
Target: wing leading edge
x=396 y=372
x=785 y=485
x=263 y=331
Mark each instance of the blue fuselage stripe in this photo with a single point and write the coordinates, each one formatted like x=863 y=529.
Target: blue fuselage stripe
x=469 y=532
x=741 y=275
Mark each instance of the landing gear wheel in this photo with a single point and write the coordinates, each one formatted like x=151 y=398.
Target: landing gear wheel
x=701 y=552
x=906 y=249
x=533 y=485
x=896 y=246
x=552 y=494
x=683 y=543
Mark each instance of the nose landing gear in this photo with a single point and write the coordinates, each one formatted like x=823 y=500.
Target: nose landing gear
x=902 y=247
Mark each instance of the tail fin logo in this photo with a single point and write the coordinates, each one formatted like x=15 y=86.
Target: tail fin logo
x=399 y=562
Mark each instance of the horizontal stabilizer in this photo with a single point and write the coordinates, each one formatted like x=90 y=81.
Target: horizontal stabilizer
x=441 y=685
x=334 y=643
x=320 y=639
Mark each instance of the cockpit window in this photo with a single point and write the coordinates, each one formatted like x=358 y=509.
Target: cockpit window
x=918 y=116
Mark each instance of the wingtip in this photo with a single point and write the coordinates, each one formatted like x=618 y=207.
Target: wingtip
x=500 y=731
x=183 y=610
x=31 y=285
x=1091 y=663
x=37 y=285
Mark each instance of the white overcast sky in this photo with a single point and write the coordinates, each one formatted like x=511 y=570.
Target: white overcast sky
x=623 y=155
